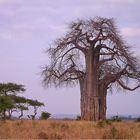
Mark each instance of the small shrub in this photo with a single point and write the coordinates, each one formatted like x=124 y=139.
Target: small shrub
x=78 y=118
x=138 y=119
x=45 y=115
x=116 y=119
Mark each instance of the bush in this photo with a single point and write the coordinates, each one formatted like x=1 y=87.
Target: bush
x=78 y=118
x=116 y=119
x=138 y=119
x=45 y=115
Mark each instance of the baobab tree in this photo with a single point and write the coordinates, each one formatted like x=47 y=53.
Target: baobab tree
x=93 y=54
x=115 y=76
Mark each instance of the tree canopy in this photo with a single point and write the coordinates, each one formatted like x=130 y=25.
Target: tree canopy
x=93 y=54
x=10 y=102
x=11 y=88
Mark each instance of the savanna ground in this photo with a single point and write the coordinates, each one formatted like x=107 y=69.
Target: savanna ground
x=68 y=129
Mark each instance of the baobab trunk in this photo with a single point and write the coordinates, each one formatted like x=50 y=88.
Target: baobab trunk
x=89 y=94
x=102 y=101
x=83 y=99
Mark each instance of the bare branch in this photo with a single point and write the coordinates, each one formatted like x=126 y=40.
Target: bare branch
x=126 y=87
x=106 y=60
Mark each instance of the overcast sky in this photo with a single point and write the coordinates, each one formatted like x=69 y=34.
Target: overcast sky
x=28 y=27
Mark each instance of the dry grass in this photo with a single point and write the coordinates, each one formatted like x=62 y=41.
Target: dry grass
x=65 y=129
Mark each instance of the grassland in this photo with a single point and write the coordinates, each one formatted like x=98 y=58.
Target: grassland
x=68 y=129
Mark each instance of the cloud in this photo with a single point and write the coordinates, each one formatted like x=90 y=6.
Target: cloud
x=131 y=32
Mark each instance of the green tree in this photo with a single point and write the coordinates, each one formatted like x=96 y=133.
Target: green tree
x=45 y=115
x=10 y=102
x=35 y=104
x=11 y=88
x=7 y=92
x=21 y=104
x=6 y=103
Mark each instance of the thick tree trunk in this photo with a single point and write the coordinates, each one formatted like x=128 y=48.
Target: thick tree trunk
x=82 y=101
x=102 y=101
x=89 y=90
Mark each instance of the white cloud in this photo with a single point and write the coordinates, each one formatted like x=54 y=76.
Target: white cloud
x=131 y=32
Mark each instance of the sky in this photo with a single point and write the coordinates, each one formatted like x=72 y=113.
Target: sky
x=28 y=27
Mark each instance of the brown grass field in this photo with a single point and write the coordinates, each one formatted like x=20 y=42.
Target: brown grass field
x=68 y=129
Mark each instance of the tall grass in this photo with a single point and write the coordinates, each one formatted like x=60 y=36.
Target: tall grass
x=60 y=129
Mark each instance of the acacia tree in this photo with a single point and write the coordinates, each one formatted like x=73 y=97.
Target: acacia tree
x=11 y=88
x=10 y=102
x=35 y=104
x=88 y=54
x=6 y=91
x=6 y=103
x=21 y=105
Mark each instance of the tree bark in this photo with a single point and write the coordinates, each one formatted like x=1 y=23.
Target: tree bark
x=89 y=89
x=102 y=101
x=82 y=100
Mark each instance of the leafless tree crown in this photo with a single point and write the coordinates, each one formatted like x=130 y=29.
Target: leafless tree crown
x=100 y=36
